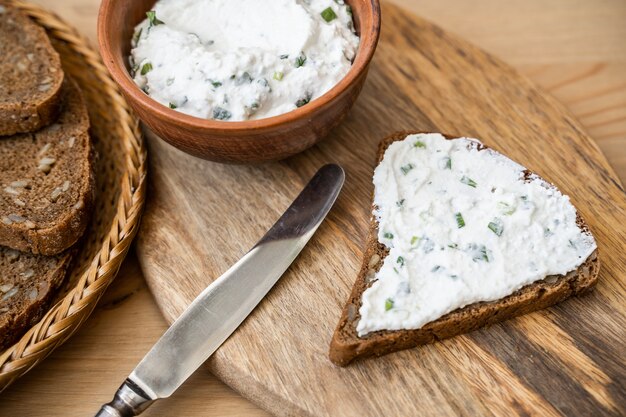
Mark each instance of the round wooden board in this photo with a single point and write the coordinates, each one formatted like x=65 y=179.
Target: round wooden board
x=202 y=217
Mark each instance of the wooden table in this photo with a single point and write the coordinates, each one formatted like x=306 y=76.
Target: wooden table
x=574 y=49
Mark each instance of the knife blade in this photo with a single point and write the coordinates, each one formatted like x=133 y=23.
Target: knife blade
x=217 y=312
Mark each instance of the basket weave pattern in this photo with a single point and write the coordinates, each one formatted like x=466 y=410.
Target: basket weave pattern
x=120 y=168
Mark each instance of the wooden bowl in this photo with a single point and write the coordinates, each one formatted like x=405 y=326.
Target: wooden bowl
x=250 y=141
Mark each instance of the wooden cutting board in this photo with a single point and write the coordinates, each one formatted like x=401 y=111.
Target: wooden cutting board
x=202 y=217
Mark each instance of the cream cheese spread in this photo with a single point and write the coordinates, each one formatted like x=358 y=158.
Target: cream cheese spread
x=462 y=225
x=242 y=59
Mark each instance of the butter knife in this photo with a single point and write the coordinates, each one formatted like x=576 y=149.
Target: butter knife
x=222 y=306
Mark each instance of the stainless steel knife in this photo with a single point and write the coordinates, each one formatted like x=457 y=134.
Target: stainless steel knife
x=223 y=305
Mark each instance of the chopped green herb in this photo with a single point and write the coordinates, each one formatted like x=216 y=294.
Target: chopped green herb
x=436 y=268
x=278 y=76
x=215 y=84
x=388 y=304
x=300 y=60
x=460 y=222
x=221 y=114
x=400 y=203
x=285 y=56
x=524 y=198
x=153 y=19
x=479 y=252
x=400 y=260
x=245 y=78
x=505 y=208
x=468 y=181
x=396 y=270
x=328 y=14
x=405 y=169
x=349 y=10
x=572 y=244
x=547 y=232
x=137 y=36
x=146 y=68
x=454 y=276
x=304 y=100
x=445 y=163
x=419 y=144
x=169 y=81
x=388 y=235
x=173 y=106
x=453 y=245
x=414 y=240
x=496 y=226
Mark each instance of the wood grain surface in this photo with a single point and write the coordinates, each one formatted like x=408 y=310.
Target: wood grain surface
x=203 y=216
x=574 y=50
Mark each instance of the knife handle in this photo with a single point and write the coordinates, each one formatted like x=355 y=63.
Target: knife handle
x=129 y=401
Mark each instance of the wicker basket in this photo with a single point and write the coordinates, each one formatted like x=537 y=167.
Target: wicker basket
x=121 y=190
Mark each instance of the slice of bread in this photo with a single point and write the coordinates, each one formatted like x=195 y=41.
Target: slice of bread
x=30 y=74
x=28 y=284
x=346 y=345
x=47 y=183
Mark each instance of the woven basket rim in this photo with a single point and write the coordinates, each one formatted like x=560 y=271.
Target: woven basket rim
x=67 y=315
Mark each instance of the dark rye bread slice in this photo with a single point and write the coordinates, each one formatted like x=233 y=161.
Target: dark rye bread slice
x=28 y=284
x=47 y=183
x=347 y=346
x=30 y=74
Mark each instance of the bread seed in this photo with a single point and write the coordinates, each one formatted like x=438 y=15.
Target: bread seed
x=31 y=57
x=11 y=190
x=54 y=195
x=66 y=186
x=16 y=218
x=13 y=255
x=44 y=168
x=29 y=224
x=45 y=149
x=9 y=294
x=6 y=220
x=32 y=295
x=4 y=309
x=79 y=205
x=19 y=202
x=44 y=87
x=47 y=161
x=6 y=287
x=70 y=142
x=374 y=260
x=20 y=184
x=29 y=273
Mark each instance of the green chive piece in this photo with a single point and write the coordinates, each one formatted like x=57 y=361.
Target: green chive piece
x=460 y=222
x=400 y=203
x=446 y=163
x=300 y=60
x=146 y=68
x=304 y=100
x=419 y=144
x=505 y=208
x=468 y=181
x=414 y=240
x=173 y=106
x=453 y=245
x=137 y=36
x=405 y=169
x=221 y=114
x=285 y=56
x=388 y=235
x=400 y=260
x=153 y=19
x=328 y=14
x=479 y=252
x=388 y=304
x=436 y=268
x=278 y=76
x=215 y=83
x=496 y=226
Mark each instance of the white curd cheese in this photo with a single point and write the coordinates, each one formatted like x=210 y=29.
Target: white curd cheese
x=242 y=59
x=462 y=225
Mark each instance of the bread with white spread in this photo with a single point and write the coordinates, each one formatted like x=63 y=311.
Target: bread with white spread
x=379 y=333
x=30 y=74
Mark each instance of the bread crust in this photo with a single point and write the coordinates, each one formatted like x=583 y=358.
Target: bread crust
x=58 y=233
x=37 y=101
x=347 y=346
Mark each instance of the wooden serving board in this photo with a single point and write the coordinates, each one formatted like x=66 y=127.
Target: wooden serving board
x=201 y=217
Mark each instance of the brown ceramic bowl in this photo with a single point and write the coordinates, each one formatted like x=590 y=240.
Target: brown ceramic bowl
x=238 y=142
